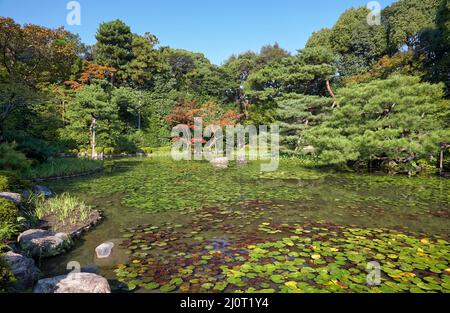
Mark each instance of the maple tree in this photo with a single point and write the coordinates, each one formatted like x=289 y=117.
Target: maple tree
x=185 y=111
x=91 y=72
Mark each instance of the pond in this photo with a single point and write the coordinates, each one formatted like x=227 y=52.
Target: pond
x=188 y=227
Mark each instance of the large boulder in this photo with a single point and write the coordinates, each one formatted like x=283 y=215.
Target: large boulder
x=11 y=196
x=43 y=243
x=219 y=162
x=42 y=191
x=73 y=283
x=24 y=270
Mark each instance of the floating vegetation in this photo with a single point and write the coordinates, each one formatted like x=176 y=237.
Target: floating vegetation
x=274 y=257
x=187 y=227
x=162 y=185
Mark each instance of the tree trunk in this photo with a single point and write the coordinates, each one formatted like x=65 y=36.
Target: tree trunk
x=441 y=160
x=93 y=133
x=63 y=113
x=330 y=91
x=243 y=104
x=139 y=120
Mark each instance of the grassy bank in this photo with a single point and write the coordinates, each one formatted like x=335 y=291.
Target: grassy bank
x=63 y=167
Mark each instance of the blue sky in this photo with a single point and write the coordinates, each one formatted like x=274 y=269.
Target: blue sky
x=217 y=28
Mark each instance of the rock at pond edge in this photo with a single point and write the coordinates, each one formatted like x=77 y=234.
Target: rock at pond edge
x=43 y=243
x=42 y=190
x=73 y=283
x=23 y=269
x=11 y=196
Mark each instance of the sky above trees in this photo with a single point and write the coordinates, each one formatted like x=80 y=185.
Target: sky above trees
x=216 y=28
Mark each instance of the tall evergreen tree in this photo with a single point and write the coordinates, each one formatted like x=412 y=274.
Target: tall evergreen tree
x=297 y=113
x=92 y=119
x=404 y=20
x=357 y=44
x=114 y=45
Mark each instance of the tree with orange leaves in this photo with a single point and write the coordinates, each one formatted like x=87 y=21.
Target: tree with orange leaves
x=185 y=111
x=31 y=57
x=91 y=72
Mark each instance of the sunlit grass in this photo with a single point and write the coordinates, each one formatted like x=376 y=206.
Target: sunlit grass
x=66 y=208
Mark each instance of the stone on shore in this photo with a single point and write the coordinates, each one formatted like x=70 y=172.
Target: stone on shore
x=23 y=269
x=42 y=191
x=73 y=283
x=43 y=243
x=11 y=196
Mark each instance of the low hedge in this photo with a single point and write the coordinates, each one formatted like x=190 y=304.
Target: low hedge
x=10 y=181
x=8 y=212
x=8 y=220
x=4 y=183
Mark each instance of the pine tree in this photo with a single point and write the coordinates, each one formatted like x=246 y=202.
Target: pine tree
x=398 y=119
x=297 y=113
x=114 y=45
x=93 y=119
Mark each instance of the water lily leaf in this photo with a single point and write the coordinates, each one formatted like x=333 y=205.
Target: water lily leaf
x=207 y=286
x=151 y=286
x=220 y=286
x=277 y=279
x=315 y=256
x=167 y=288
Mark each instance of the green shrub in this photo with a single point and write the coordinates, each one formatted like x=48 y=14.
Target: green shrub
x=11 y=159
x=8 y=219
x=34 y=148
x=8 y=231
x=8 y=212
x=426 y=166
x=147 y=150
x=105 y=150
x=72 y=151
x=10 y=181
x=4 y=183
x=109 y=151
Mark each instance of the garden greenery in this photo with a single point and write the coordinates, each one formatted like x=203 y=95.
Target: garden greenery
x=356 y=94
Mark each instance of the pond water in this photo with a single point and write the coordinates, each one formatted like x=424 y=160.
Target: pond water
x=188 y=227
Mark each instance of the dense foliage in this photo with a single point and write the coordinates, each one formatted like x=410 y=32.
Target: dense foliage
x=339 y=99
x=8 y=220
x=398 y=119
